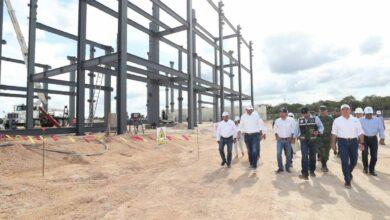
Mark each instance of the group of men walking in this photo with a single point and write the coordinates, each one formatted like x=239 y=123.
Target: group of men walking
x=342 y=132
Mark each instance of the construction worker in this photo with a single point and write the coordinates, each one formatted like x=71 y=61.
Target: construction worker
x=308 y=130
x=240 y=140
x=226 y=135
x=324 y=139
x=359 y=112
x=348 y=133
x=252 y=126
x=372 y=126
x=292 y=116
x=379 y=115
x=284 y=133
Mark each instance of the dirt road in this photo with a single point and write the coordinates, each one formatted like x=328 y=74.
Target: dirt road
x=136 y=180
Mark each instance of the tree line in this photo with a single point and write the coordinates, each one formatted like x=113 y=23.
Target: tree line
x=377 y=102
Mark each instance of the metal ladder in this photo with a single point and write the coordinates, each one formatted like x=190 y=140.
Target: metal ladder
x=23 y=45
x=99 y=81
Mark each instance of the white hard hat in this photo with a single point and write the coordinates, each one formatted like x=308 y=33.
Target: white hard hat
x=378 y=112
x=249 y=107
x=291 y=115
x=237 y=118
x=345 y=106
x=359 y=111
x=225 y=114
x=368 y=110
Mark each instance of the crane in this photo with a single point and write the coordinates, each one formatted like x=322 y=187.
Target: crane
x=23 y=46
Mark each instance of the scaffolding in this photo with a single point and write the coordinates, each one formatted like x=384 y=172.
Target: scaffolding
x=115 y=64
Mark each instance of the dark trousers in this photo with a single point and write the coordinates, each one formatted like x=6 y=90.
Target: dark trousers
x=229 y=143
x=309 y=150
x=252 y=142
x=372 y=144
x=348 y=154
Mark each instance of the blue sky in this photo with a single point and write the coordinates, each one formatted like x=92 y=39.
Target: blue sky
x=304 y=50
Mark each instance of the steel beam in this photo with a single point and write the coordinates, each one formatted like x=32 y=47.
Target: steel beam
x=46 y=87
x=24 y=89
x=107 y=97
x=71 y=36
x=172 y=31
x=215 y=82
x=231 y=76
x=31 y=64
x=147 y=15
x=195 y=121
x=81 y=47
x=172 y=103
x=22 y=62
x=200 y=115
x=121 y=91
x=171 y=12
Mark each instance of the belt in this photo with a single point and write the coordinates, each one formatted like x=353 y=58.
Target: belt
x=252 y=133
x=283 y=139
x=370 y=136
x=348 y=139
x=227 y=137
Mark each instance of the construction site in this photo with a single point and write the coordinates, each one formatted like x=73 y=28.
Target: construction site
x=73 y=146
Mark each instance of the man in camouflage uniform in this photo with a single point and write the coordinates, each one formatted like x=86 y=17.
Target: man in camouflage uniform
x=324 y=140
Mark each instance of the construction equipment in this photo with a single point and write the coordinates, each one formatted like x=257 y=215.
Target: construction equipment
x=23 y=46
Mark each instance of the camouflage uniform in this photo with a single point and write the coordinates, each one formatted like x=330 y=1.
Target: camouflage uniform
x=325 y=138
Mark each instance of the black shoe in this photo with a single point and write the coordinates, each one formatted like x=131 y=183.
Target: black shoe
x=304 y=177
x=351 y=176
x=223 y=163
x=324 y=169
x=348 y=185
x=288 y=171
x=373 y=173
x=365 y=170
x=279 y=171
x=228 y=166
x=312 y=174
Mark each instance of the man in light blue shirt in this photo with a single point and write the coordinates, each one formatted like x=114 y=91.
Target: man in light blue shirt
x=372 y=126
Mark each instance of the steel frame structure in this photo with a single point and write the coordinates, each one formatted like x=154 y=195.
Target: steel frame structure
x=116 y=63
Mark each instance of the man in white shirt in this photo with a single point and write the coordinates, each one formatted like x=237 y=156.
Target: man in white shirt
x=240 y=140
x=226 y=134
x=253 y=129
x=284 y=132
x=349 y=134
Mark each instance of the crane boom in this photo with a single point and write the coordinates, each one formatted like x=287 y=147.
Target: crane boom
x=22 y=44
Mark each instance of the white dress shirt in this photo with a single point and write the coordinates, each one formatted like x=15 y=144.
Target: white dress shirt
x=347 y=128
x=252 y=123
x=284 y=128
x=226 y=129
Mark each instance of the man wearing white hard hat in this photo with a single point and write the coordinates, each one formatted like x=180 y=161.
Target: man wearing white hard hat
x=252 y=126
x=380 y=116
x=372 y=126
x=226 y=135
x=240 y=140
x=349 y=134
x=359 y=112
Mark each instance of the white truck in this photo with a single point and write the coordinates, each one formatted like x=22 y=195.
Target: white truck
x=18 y=116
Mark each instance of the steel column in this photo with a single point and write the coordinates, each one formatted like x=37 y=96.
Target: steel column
x=1 y=31
x=91 y=100
x=231 y=76
x=200 y=115
x=166 y=98
x=190 y=65
x=195 y=67
x=221 y=70
x=121 y=96
x=46 y=87
x=31 y=64
x=180 y=91
x=153 y=89
x=215 y=81
x=239 y=42
x=172 y=93
x=72 y=100
x=251 y=70
x=107 y=96
x=81 y=47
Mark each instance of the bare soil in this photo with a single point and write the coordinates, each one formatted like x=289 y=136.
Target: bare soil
x=140 y=180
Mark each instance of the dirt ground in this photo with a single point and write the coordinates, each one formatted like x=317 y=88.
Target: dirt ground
x=138 y=180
